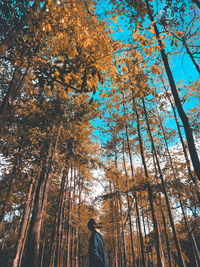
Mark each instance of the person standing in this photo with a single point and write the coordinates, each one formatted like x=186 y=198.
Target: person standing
x=97 y=254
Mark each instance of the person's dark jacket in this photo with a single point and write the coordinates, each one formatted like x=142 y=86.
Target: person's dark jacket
x=97 y=255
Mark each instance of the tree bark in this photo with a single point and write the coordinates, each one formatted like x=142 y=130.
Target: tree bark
x=129 y=215
x=160 y=258
x=178 y=248
x=166 y=235
x=33 y=242
x=181 y=112
x=136 y=201
x=23 y=227
x=194 y=249
x=59 y=219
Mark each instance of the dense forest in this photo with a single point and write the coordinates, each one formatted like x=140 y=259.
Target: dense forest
x=99 y=113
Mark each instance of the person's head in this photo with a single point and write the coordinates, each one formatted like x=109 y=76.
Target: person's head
x=93 y=225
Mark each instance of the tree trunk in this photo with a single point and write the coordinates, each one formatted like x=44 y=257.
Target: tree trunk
x=23 y=227
x=194 y=249
x=181 y=112
x=144 y=228
x=166 y=235
x=33 y=242
x=123 y=245
x=196 y=258
x=181 y=137
x=129 y=215
x=178 y=248
x=69 y=219
x=113 y=232
x=160 y=258
x=59 y=219
x=136 y=202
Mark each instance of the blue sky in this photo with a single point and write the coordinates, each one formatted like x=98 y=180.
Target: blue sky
x=181 y=65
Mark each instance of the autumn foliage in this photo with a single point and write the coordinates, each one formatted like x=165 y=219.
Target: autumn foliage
x=98 y=120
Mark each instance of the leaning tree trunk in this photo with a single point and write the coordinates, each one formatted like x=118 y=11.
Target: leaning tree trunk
x=178 y=247
x=23 y=227
x=181 y=112
x=180 y=137
x=193 y=245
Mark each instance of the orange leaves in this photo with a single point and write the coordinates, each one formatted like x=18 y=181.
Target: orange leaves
x=174 y=42
x=155 y=70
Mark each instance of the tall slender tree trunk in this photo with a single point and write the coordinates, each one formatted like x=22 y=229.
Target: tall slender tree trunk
x=195 y=253
x=32 y=258
x=178 y=247
x=33 y=242
x=136 y=202
x=23 y=227
x=180 y=137
x=166 y=235
x=122 y=235
x=191 y=238
x=144 y=227
x=69 y=218
x=129 y=209
x=117 y=214
x=181 y=112
x=72 y=247
x=159 y=251
x=113 y=233
x=59 y=218
x=149 y=230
